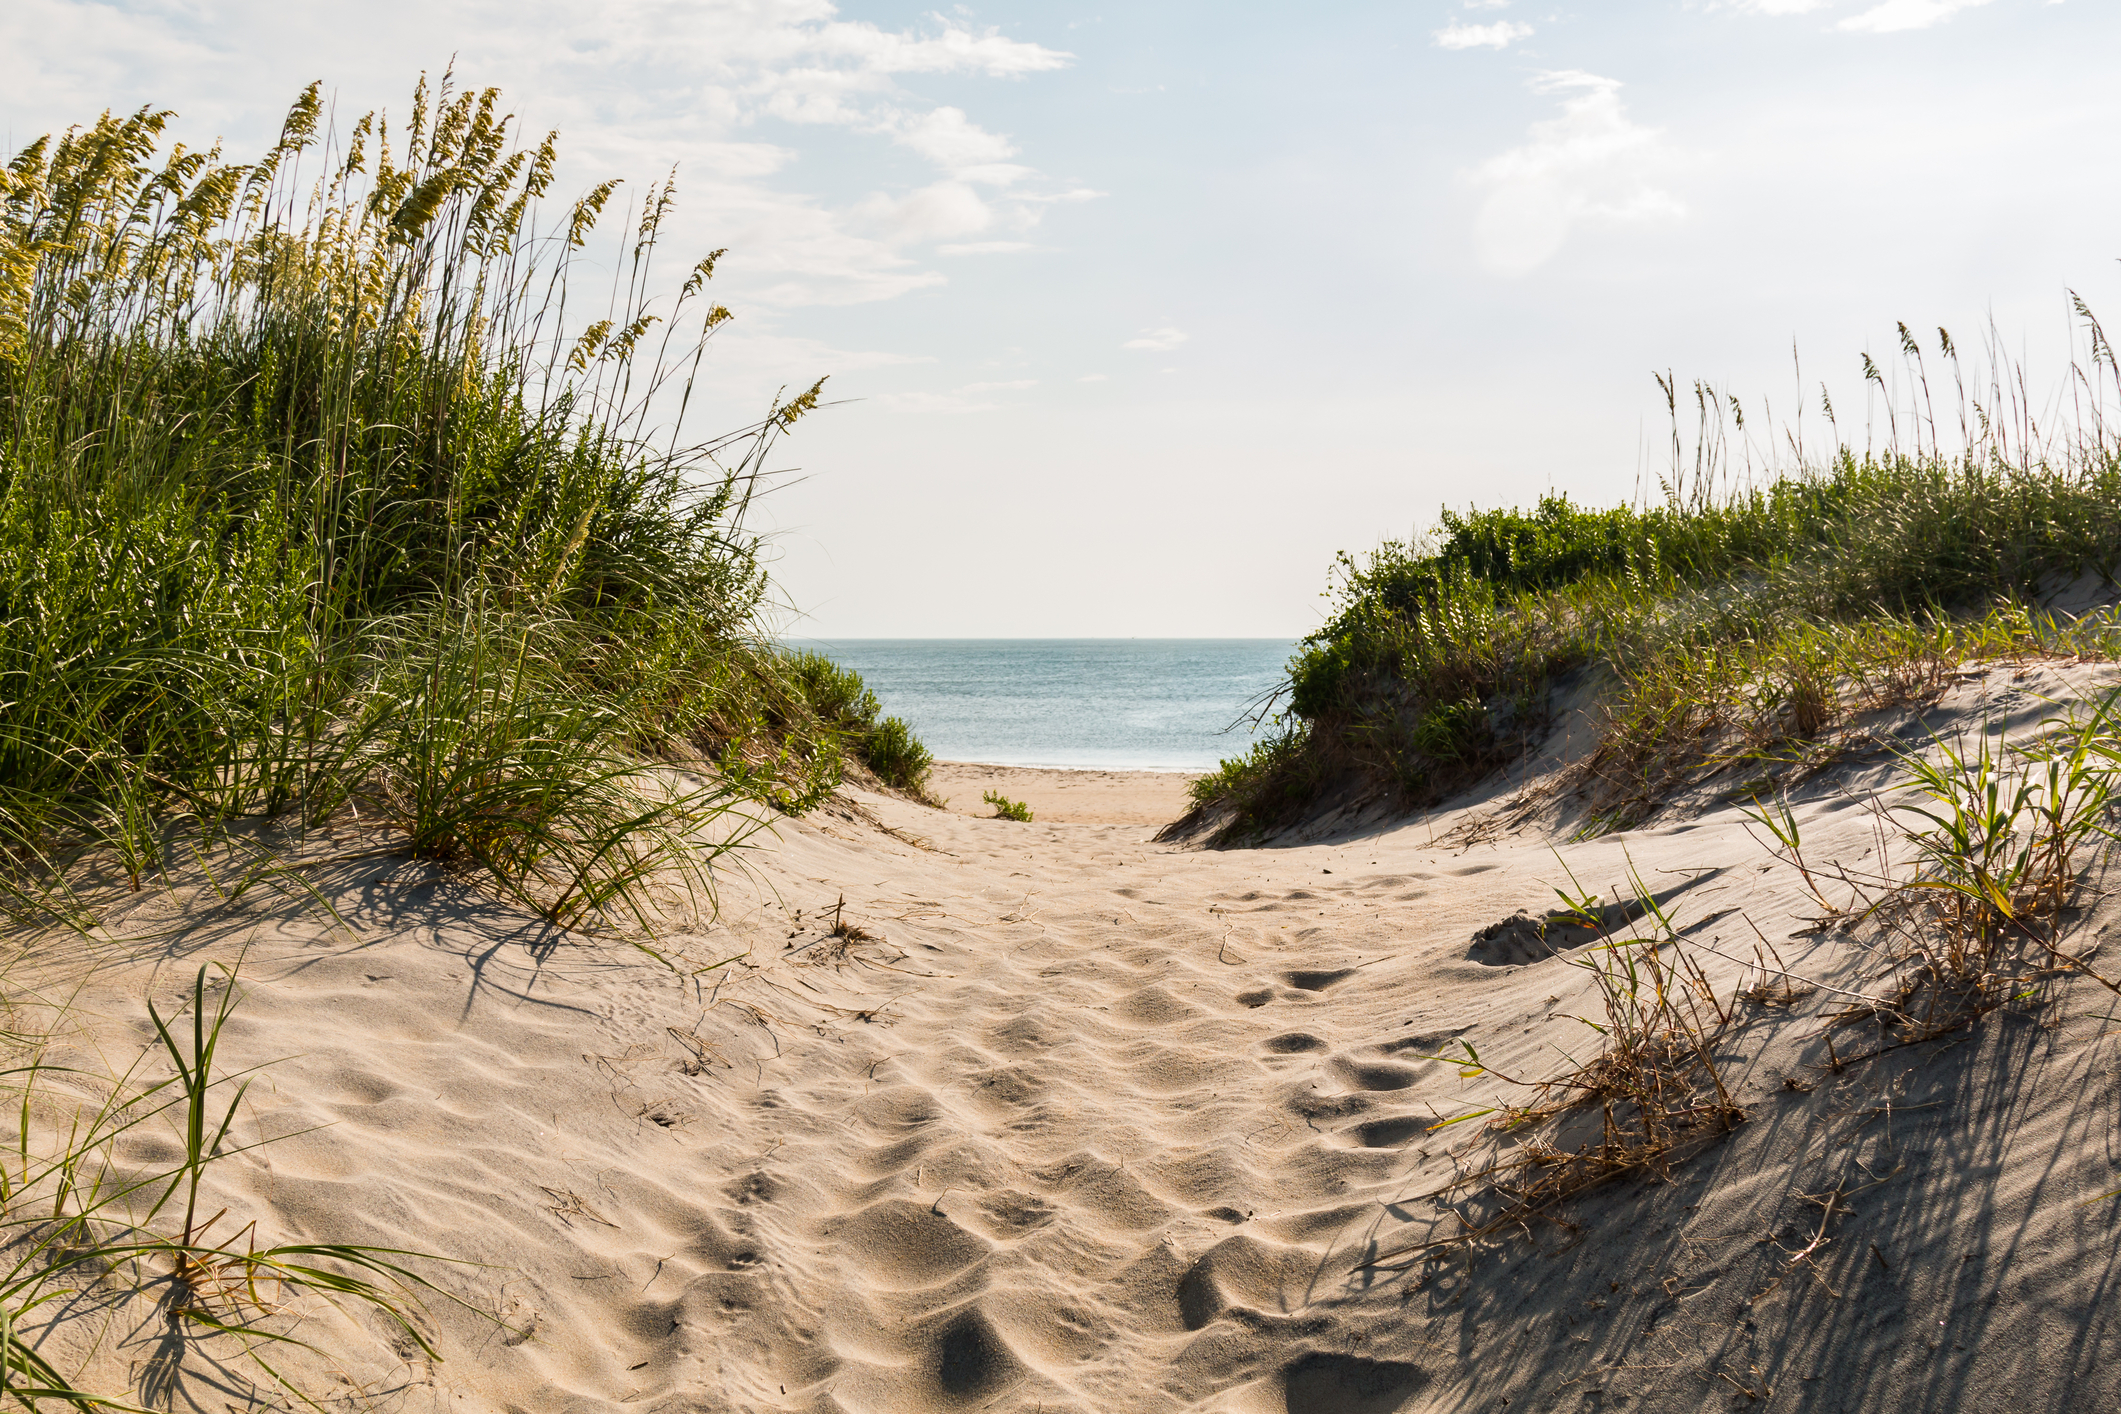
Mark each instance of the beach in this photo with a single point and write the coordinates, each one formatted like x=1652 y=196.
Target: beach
x=530 y=887
x=944 y=1112
x=1067 y=797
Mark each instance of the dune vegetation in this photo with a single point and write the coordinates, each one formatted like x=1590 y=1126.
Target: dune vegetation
x=336 y=499
x=332 y=489
x=1733 y=625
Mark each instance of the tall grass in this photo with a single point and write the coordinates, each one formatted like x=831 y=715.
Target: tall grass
x=311 y=462
x=1748 y=612
x=337 y=489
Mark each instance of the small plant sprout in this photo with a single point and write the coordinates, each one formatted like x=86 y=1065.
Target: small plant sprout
x=1007 y=809
x=72 y=1214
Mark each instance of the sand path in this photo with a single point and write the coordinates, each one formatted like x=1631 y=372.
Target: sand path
x=1075 y=797
x=1089 y=1123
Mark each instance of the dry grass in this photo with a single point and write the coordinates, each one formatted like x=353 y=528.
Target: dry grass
x=1649 y=1099
x=1968 y=912
x=1972 y=903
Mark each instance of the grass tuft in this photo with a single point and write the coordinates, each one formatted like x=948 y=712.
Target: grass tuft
x=1007 y=809
x=76 y=1218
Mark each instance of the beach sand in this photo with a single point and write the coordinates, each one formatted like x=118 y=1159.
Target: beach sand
x=1075 y=797
x=1083 y=1122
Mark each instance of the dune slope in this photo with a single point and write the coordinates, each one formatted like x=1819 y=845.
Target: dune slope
x=1066 y=1120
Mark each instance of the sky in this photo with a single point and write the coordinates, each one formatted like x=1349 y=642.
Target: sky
x=1135 y=315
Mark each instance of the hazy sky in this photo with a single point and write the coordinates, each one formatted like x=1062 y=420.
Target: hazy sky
x=1147 y=310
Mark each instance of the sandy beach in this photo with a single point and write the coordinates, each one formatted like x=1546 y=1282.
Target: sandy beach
x=1069 y=1120
x=1072 y=797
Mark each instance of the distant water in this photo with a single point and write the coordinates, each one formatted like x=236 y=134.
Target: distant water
x=1142 y=704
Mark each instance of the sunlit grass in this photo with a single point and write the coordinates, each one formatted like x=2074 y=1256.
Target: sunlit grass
x=1746 y=614
x=338 y=477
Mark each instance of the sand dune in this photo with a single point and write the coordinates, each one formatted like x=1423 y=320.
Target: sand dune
x=1089 y=1123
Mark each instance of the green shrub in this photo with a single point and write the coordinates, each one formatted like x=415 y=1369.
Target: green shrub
x=886 y=745
x=837 y=694
x=1007 y=809
x=897 y=756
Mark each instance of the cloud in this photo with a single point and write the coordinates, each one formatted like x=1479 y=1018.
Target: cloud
x=634 y=89
x=1499 y=35
x=984 y=248
x=955 y=50
x=1887 y=18
x=1592 y=163
x=946 y=137
x=1093 y=378
x=1896 y=15
x=936 y=212
x=999 y=174
x=970 y=397
x=1157 y=340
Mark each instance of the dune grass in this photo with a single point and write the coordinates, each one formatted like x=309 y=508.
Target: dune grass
x=335 y=492
x=1745 y=617
x=1966 y=908
x=76 y=1218
x=331 y=480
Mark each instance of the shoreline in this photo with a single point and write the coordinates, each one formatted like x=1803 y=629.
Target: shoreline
x=1192 y=771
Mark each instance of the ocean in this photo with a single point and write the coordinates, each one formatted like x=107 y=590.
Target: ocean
x=1138 y=704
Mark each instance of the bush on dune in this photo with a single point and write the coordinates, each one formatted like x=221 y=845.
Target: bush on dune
x=886 y=745
x=1742 y=618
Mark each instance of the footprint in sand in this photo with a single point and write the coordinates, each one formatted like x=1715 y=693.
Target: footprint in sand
x=902 y=1245
x=1325 y=1383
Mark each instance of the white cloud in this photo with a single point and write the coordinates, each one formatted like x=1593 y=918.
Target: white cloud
x=984 y=248
x=1888 y=17
x=1050 y=198
x=970 y=397
x=936 y=212
x=1093 y=378
x=1499 y=35
x=633 y=90
x=1896 y=15
x=1157 y=340
x=997 y=174
x=955 y=50
x=946 y=137
x=739 y=161
x=1592 y=163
